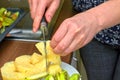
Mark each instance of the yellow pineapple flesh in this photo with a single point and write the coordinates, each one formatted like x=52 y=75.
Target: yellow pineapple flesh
x=28 y=65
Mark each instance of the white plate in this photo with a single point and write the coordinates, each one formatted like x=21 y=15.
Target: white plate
x=70 y=69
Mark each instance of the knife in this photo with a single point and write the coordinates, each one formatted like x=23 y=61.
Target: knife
x=43 y=27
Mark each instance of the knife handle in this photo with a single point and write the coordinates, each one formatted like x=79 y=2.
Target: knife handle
x=43 y=22
x=44 y=25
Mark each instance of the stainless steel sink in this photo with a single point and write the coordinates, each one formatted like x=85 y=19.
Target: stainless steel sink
x=23 y=31
x=24 y=35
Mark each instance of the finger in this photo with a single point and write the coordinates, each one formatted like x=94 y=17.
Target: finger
x=34 y=8
x=67 y=40
x=38 y=16
x=76 y=44
x=81 y=40
x=59 y=35
x=73 y=46
x=52 y=9
x=30 y=6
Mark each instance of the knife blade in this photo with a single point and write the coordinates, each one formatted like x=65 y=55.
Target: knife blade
x=44 y=30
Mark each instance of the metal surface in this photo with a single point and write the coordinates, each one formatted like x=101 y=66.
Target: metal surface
x=24 y=35
x=44 y=30
x=23 y=31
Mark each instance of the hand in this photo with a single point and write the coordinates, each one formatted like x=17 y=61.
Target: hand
x=74 y=33
x=40 y=7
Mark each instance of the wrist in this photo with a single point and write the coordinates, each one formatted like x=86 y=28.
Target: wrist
x=97 y=20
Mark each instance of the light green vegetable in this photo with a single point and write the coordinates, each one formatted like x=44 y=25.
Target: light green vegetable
x=64 y=75
x=2 y=10
x=49 y=77
x=37 y=76
x=7 y=18
x=59 y=76
x=7 y=22
x=75 y=77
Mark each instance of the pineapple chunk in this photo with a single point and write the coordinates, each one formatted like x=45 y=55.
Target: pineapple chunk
x=29 y=65
x=22 y=64
x=51 y=56
x=9 y=72
x=54 y=68
x=35 y=58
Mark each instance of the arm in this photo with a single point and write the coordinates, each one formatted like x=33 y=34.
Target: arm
x=107 y=14
x=79 y=30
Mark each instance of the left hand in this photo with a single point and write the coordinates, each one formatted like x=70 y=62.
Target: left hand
x=74 y=33
x=40 y=7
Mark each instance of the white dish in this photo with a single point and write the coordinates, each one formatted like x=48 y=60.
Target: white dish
x=70 y=69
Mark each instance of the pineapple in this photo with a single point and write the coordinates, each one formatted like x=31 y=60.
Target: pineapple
x=51 y=56
x=29 y=65
x=9 y=72
x=54 y=68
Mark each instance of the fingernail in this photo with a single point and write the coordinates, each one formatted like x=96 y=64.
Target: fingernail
x=34 y=30
x=49 y=18
x=53 y=45
x=57 y=51
x=54 y=42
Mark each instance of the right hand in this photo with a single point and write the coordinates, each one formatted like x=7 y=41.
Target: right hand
x=40 y=7
x=75 y=32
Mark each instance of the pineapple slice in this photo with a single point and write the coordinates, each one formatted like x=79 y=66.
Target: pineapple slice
x=9 y=72
x=51 y=56
x=29 y=65
x=22 y=63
